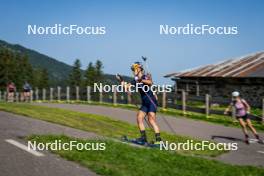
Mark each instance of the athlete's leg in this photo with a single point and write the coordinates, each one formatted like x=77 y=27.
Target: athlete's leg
x=11 y=97
x=8 y=96
x=140 y=121
x=243 y=125
x=244 y=128
x=252 y=128
x=152 y=121
x=28 y=96
x=24 y=96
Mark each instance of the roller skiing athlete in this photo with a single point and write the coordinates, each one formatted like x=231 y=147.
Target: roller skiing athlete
x=142 y=83
x=27 y=91
x=11 y=89
x=242 y=110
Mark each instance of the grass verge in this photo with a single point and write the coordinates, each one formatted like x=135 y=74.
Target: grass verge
x=101 y=125
x=123 y=160
x=217 y=119
x=213 y=118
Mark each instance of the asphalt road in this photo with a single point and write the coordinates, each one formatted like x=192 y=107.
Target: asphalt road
x=16 y=162
x=252 y=154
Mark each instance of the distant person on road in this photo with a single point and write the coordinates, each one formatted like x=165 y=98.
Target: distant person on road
x=27 y=91
x=242 y=110
x=11 y=88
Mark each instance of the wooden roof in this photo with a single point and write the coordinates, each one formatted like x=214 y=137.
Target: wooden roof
x=247 y=66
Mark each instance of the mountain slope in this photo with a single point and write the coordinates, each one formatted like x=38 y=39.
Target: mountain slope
x=58 y=71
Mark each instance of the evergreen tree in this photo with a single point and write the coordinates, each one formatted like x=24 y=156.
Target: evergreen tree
x=8 y=67
x=4 y=67
x=89 y=75
x=41 y=78
x=44 y=79
x=75 y=77
x=98 y=71
x=14 y=68
x=25 y=71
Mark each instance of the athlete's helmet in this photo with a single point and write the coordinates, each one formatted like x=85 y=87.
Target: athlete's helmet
x=136 y=65
x=235 y=94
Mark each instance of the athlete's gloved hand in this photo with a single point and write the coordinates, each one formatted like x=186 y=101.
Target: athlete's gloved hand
x=137 y=79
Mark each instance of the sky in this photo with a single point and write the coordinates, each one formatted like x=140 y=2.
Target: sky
x=132 y=31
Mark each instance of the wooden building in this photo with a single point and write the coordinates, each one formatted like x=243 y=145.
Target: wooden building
x=244 y=74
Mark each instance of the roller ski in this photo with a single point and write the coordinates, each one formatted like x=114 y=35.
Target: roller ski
x=140 y=142
x=256 y=140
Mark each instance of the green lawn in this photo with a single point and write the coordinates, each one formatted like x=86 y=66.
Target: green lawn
x=101 y=125
x=123 y=160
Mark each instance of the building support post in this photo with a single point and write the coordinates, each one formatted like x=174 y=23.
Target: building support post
x=77 y=93
x=88 y=89
x=207 y=105
x=197 y=89
x=31 y=96
x=5 y=96
x=163 y=99
x=59 y=93
x=51 y=94
x=37 y=94
x=43 y=94
x=183 y=102
x=175 y=92
x=68 y=97
x=114 y=96
x=17 y=97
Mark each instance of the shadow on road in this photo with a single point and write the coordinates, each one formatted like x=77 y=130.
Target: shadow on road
x=227 y=138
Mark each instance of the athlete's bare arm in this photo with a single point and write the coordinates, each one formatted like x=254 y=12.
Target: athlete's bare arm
x=228 y=109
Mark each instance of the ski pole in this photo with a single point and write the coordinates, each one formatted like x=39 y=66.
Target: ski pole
x=165 y=120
